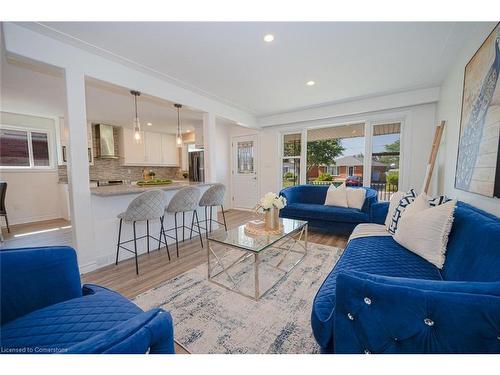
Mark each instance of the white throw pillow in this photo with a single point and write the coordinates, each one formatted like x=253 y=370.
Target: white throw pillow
x=424 y=229
x=393 y=203
x=336 y=196
x=355 y=198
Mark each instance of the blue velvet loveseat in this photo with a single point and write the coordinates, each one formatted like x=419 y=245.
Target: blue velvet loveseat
x=306 y=202
x=45 y=309
x=382 y=298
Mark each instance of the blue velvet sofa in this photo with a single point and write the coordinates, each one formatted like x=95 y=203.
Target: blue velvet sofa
x=45 y=309
x=382 y=298
x=306 y=202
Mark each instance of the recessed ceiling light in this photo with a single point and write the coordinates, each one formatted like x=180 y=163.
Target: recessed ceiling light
x=149 y=124
x=310 y=83
x=268 y=38
x=188 y=131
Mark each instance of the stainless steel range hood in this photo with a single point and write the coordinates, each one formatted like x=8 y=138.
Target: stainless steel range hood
x=106 y=146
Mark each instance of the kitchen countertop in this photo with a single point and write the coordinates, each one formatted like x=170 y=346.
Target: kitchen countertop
x=112 y=190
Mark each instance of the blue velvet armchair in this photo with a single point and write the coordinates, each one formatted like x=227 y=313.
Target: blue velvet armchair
x=45 y=309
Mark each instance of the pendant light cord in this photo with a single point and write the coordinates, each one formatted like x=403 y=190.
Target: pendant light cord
x=135 y=100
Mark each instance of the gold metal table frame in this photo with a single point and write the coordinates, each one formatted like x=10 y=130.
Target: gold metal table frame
x=287 y=244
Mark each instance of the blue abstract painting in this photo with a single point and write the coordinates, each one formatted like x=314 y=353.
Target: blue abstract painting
x=478 y=155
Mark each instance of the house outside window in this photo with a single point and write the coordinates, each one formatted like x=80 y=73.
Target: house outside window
x=333 y=170
x=24 y=148
x=290 y=160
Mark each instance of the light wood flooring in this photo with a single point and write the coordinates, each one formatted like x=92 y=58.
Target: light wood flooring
x=55 y=232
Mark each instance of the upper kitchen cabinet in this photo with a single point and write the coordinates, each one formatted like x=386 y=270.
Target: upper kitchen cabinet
x=169 y=150
x=133 y=153
x=156 y=149
x=64 y=142
x=153 y=143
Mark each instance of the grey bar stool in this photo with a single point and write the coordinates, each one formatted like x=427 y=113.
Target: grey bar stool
x=185 y=200
x=213 y=197
x=149 y=205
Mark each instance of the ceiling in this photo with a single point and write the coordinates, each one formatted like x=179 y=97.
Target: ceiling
x=230 y=61
x=39 y=90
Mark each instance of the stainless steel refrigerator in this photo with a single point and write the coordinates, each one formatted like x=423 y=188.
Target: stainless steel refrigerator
x=196 y=166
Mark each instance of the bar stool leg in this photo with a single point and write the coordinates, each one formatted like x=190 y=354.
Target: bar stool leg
x=183 y=226
x=199 y=229
x=206 y=222
x=162 y=231
x=118 y=243
x=211 y=209
x=223 y=216
x=135 y=251
x=192 y=223
x=147 y=233
x=176 y=237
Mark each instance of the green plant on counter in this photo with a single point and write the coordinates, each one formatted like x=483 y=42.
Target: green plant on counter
x=158 y=181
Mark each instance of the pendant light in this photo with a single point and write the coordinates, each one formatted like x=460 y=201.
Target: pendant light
x=137 y=124
x=179 y=133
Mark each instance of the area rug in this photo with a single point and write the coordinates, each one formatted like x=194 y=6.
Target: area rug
x=210 y=319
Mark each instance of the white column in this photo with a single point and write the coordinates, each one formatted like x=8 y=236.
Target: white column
x=209 y=141
x=78 y=169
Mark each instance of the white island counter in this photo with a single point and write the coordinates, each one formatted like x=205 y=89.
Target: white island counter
x=109 y=201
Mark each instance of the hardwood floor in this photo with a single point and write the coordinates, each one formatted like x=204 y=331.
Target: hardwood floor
x=155 y=268
x=41 y=233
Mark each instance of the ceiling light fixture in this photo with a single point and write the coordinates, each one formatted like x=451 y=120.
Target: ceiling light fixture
x=179 y=134
x=136 y=123
x=149 y=124
x=268 y=38
x=310 y=83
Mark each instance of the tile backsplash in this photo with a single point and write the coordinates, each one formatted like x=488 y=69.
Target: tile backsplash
x=113 y=169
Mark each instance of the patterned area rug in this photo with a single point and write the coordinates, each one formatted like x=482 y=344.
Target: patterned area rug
x=210 y=319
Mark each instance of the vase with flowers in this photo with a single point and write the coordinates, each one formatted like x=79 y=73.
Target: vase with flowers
x=271 y=203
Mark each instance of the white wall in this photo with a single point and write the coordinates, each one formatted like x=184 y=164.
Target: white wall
x=32 y=195
x=449 y=109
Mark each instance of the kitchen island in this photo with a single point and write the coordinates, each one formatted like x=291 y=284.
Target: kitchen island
x=109 y=201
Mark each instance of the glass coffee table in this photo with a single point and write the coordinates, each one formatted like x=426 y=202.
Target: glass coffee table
x=252 y=265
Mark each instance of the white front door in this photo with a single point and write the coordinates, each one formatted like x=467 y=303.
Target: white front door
x=245 y=186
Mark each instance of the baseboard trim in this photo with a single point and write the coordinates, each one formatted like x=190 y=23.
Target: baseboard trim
x=33 y=219
x=88 y=267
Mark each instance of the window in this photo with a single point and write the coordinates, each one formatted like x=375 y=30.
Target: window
x=333 y=170
x=24 y=149
x=290 y=160
x=245 y=157
x=334 y=153
x=385 y=159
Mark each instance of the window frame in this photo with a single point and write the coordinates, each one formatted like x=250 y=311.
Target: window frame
x=282 y=156
x=32 y=166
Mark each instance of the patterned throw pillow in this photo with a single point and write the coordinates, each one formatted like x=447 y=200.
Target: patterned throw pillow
x=408 y=198
x=403 y=203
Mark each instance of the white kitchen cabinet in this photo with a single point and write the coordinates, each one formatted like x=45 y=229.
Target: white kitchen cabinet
x=133 y=153
x=169 y=150
x=64 y=142
x=156 y=149
x=153 y=146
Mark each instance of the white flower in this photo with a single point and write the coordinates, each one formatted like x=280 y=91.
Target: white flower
x=272 y=200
